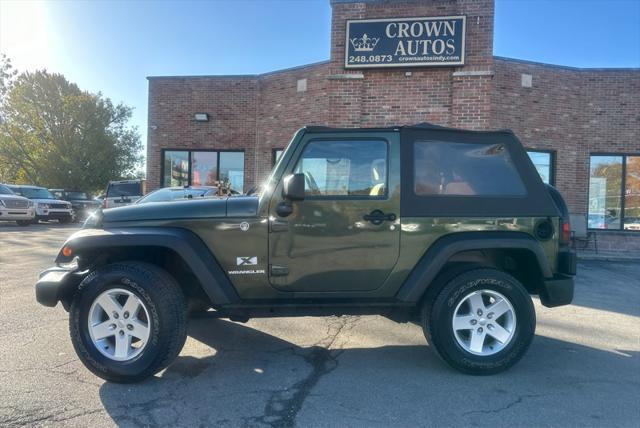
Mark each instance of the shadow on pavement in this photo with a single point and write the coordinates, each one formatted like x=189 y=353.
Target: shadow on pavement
x=257 y=379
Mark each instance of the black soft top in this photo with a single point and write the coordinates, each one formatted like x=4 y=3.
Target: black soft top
x=537 y=201
x=418 y=126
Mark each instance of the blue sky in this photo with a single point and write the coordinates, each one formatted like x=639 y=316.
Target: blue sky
x=111 y=46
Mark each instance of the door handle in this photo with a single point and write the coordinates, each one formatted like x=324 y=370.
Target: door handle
x=377 y=217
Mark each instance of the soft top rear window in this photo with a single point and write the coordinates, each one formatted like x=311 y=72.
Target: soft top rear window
x=465 y=169
x=116 y=190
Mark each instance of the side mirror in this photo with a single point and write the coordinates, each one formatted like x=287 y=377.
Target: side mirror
x=293 y=189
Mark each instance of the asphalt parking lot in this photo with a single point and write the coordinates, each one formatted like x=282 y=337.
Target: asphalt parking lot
x=583 y=368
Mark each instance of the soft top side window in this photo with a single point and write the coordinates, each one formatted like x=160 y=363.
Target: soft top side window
x=344 y=168
x=464 y=169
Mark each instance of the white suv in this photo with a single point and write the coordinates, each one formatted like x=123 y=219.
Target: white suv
x=15 y=208
x=47 y=206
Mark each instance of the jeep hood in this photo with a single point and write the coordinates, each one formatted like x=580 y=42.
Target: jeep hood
x=237 y=206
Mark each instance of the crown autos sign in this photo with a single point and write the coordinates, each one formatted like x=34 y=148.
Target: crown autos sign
x=405 y=42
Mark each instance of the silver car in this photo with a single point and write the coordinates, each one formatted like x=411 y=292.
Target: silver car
x=16 y=208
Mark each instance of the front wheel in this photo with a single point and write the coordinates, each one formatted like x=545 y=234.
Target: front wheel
x=128 y=321
x=481 y=322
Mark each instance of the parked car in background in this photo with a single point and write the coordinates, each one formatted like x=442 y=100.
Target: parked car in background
x=179 y=194
x=82 y=203
x=47 y=206
x=15 y=208
x=122 y=193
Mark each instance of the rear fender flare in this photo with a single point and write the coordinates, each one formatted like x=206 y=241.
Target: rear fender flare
x=437 y=256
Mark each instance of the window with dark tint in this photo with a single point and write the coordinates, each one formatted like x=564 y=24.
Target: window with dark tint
x=34 y=192
x=77 y=195
x=116 y=190
x=344 y=168
x=462 y=169
x=543 y=161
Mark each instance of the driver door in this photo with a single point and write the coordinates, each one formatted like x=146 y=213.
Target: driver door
x=345 y=234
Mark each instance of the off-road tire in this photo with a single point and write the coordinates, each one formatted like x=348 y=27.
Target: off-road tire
x=437 y=316
x=165 y=303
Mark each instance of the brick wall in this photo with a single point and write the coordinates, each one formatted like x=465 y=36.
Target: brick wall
x=446 y=95
x=231 y=103
x=572 y=111
x=261 y=113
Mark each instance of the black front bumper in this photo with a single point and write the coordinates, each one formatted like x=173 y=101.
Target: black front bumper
x=57 y=284
x=56 y=216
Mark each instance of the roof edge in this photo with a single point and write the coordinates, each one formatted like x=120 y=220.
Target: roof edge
x=241 y=76
x=565 y=67
x=422 y=126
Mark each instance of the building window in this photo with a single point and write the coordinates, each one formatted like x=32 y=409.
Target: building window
x=544 y=163
x=176 y=168
x=614 y=192
x=232 y=169
x=275 y=156
x=203 y=168
x=460 y=169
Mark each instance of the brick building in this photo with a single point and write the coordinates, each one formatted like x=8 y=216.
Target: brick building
x=582 y=126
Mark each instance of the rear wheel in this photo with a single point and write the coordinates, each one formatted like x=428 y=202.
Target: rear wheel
x=481 y=322
x=128 y=321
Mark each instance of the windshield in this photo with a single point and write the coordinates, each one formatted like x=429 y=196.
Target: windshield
x=164 y=195
x=116 y=190
x=35 y=193
x=77 y=195
x=4 y=190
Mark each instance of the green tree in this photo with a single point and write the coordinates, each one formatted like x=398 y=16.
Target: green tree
x=55 y=135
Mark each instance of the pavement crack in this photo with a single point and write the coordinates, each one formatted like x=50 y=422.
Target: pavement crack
x=509 y=405
x=283 y=406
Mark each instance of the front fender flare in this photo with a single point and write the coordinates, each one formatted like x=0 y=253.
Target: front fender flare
x=182 y=241
x=436 y=257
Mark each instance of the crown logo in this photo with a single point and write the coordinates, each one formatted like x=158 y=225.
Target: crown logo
x=364 y=43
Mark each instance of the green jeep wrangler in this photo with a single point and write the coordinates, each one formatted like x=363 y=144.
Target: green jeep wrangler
x=448 y=228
